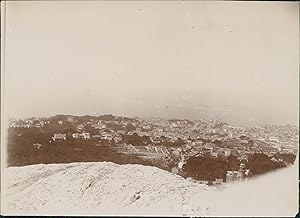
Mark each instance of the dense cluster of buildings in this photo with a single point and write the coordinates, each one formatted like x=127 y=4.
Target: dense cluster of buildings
x=182 y=138
x=237 y=175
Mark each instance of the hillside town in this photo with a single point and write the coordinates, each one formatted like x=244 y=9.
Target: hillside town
x=172 y=144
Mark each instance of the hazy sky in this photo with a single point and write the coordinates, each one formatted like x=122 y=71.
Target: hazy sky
x=234 y=61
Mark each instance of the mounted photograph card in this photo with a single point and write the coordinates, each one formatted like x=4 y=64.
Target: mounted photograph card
x=150 y=108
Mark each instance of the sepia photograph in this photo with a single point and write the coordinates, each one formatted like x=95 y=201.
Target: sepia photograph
x=150 y=108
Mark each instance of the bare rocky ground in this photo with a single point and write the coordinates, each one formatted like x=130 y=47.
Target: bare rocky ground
x=106 y=188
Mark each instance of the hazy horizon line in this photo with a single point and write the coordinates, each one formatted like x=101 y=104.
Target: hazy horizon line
x=151 y=117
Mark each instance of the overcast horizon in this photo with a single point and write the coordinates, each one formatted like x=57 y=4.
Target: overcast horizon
x=237 y=62
x=236 y=124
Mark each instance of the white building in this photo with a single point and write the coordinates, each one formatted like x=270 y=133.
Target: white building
x=107 y=136
x=84 y=135
x=59 y=136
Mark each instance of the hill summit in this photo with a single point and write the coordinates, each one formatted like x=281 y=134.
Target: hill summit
x=106 y=188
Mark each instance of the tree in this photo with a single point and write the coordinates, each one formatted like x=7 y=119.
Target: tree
x=233 y=162
x=260 y=163
x=205 y=168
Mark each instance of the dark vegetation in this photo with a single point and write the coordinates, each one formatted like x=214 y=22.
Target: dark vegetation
x=21 y=150
x=136 y=140
x=210 y=168
x=206 y=168
x=260 y=163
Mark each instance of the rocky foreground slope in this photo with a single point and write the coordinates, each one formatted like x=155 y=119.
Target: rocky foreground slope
x=110 y=189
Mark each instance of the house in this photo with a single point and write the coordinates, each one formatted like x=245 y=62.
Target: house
x=242 y=167
x=37 y=145
x=107 y=136
x=147 y=127
x=155 y=140
x=232 y=176
x=76 y=135
x=181 y=162
x=130 y=133
x=218 y=181
x=85 y=135
x=191 y=153
x=100 y=125
x=70 y=119
x=60 y=122
x=247 y=172
x=59 y=136
x=173 y=125
x=227 y=152
x=80 y=127
x=37 y=123
x=243 y=157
